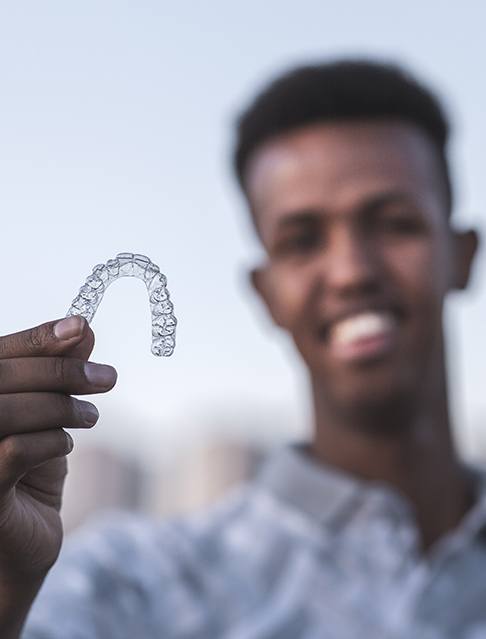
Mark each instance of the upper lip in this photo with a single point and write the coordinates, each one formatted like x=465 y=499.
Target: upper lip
x=326 y=324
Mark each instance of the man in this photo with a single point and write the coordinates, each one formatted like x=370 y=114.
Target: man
x=374 y=528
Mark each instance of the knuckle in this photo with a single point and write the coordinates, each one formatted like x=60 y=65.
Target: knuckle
x=12 y=452
x=67 y=373
x=6 y=410
x=5 y=342
x=64 y=407
x=78 y=372
x=34 y=339
x=59 y=369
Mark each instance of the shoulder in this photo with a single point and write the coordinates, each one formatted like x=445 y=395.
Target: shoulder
x=125 y=547
x=131 y=545
x=124 y=575
x=128 y=575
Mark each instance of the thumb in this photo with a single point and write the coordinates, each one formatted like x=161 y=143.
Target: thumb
x=83 y=348
x=70 y=337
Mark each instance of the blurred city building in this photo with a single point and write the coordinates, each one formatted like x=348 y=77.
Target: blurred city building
x=202 y=474
x=101 y=479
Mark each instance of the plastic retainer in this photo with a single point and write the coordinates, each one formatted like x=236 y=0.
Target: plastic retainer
x=132 y=265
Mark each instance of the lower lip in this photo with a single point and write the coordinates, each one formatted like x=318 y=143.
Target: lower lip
x=367 y=349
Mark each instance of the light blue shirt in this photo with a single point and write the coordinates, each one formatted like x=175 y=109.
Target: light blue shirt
x=301 y=552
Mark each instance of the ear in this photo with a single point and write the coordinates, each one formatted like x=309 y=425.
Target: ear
x=465 y=244
x=260 y=280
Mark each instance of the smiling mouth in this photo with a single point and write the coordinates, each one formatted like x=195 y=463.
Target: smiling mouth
x=365 y=335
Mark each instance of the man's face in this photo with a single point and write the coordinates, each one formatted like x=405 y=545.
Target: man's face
x=353 y=217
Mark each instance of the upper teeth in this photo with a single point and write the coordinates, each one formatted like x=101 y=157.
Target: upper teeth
x=361 y=326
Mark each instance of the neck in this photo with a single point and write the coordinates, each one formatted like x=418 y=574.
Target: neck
x=416 y=457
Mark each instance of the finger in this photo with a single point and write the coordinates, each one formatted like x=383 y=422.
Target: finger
x=21 y=453
x=84 y=348
x=61 y=374
x=71 y=334
x=29 y=412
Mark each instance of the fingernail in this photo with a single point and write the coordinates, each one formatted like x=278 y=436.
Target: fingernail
x=69 y=327
x=69 y=442
x=100 y=374
x=89 y=412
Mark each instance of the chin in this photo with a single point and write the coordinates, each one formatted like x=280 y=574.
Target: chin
x=380 y=412
x=383 y=399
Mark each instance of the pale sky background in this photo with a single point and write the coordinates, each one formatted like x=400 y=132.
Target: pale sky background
x=115 y=135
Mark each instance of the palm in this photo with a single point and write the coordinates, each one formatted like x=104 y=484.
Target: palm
x=31 y=531
x=30 y=524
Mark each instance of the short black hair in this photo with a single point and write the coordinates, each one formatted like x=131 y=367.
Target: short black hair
x=336 y=91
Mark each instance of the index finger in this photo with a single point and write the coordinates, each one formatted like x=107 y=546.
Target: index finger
x=70 y=336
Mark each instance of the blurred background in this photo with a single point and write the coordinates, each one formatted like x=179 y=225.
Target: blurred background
x=116 y=128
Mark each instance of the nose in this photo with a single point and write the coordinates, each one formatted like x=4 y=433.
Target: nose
x=349 y=264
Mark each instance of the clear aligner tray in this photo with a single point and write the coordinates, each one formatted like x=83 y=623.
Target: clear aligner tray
x=132 y=265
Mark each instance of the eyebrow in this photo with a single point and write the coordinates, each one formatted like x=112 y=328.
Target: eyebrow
x=380 y=200
x=308 y=215
x=302 y=217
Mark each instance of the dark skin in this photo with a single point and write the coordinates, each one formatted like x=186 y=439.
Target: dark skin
x=355 y=222
x=39 y=370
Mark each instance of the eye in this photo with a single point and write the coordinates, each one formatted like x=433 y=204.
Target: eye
x=401 y=223
x=298 y=243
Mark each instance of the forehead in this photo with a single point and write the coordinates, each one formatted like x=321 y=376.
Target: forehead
x=335 y=165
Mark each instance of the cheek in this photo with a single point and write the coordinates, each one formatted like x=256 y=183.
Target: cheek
x=290 y=292
x=420 y=271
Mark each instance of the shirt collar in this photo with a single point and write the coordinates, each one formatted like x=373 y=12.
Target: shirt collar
x=327 y=494
x=474 y=523
x=333 y=497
